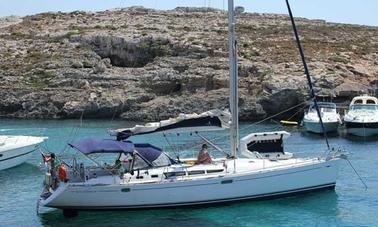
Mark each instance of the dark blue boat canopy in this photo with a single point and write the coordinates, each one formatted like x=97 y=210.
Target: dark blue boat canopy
x=153 y=155
x=92 y=145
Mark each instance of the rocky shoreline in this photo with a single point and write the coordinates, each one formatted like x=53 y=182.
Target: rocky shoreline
x=143 y=64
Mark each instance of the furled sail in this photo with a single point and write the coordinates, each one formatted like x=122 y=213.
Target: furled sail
x=208 y=121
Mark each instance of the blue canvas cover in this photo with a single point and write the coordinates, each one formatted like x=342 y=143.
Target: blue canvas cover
x=148 y=151
x=93 y=145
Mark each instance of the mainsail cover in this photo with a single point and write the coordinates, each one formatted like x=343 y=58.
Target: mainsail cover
x=207 y=121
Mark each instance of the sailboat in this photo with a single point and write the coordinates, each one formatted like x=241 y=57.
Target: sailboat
x=144 y=176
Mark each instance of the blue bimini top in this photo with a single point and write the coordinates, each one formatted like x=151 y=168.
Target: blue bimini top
x=152 y=154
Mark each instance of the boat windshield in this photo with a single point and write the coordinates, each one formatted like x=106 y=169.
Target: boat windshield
x=364 y=107
x=323 y=107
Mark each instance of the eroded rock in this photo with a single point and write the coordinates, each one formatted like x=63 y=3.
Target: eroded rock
x=144 y=64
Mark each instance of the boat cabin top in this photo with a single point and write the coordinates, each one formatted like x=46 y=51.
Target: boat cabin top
x=364 y=103
x=364 y=100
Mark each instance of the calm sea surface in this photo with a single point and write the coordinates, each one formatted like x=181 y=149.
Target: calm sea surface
x=349 y=205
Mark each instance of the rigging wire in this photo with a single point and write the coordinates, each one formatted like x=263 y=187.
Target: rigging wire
x=355 y=171
x=312 y=92
x=73 y=133
x=174 y=148
x=250 y=126
x=279 y=125
x=212 y=144
x=274 y=115
x=118 y=109
x=81 y=118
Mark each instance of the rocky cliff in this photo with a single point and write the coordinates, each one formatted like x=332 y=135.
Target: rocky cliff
x=144 y=64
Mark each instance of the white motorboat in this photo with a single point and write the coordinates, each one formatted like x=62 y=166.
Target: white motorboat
x=144 y=176
x=330 y=116
x=362 y=116
x=14 y=150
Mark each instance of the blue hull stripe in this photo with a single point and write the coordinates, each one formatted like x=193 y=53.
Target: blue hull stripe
x=17 y=156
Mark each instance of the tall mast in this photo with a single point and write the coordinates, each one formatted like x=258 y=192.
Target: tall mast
x=234 y=127
x=307 y=72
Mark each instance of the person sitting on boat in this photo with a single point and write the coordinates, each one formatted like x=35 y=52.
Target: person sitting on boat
x=203 y=156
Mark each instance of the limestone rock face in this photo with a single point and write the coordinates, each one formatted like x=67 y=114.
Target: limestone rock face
x=144 y=64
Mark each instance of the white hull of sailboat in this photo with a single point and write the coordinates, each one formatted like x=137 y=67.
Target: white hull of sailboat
x=225 y=188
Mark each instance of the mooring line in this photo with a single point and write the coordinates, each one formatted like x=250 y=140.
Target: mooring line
x=355 y=171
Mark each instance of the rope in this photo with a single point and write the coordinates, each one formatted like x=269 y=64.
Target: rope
x=296 y=113
x=275 y=115
x=279 y=125
x=358 y=175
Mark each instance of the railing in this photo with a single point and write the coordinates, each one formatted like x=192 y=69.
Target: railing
x=298 y=162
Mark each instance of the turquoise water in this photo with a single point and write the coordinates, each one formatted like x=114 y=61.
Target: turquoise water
x=349 y=205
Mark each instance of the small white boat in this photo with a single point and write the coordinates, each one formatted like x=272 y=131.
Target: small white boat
x=14 y=150
x=362 y=116
x=330 y=116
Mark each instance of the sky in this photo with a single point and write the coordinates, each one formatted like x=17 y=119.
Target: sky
x=343 y=11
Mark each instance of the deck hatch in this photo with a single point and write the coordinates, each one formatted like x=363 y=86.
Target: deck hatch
x=226 y=181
